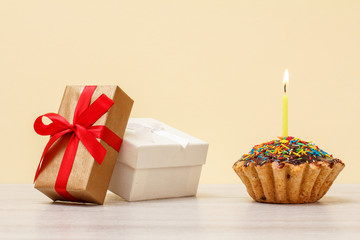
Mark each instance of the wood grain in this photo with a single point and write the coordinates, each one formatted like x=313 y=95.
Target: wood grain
x=219 y=212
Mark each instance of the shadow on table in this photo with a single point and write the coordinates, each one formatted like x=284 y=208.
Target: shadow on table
x=114 y=200
x=111 y=199
x=73 y=204
x=330 y=200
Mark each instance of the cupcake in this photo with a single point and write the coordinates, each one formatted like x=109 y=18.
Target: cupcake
x=287 y=170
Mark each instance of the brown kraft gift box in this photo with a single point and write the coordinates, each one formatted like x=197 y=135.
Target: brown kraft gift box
x=88 y=181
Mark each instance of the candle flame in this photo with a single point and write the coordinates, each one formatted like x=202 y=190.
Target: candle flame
x=286 y=79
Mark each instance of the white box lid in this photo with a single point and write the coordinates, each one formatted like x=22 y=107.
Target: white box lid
x=149 y=143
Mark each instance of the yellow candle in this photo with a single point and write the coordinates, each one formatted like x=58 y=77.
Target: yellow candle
x=285 y=105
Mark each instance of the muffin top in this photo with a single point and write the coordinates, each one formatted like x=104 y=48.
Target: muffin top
x=288 y=150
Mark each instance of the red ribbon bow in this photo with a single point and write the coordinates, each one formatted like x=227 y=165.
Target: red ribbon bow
x=81 y=130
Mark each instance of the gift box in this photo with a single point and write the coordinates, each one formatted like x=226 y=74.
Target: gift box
x=157 y=161
x=85 y=137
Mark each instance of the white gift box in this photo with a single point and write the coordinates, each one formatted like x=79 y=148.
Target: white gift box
x=157 y=161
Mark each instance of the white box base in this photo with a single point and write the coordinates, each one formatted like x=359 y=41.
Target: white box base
x=154 y=183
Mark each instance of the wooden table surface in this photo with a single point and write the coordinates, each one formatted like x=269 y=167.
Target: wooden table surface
x=218 y=212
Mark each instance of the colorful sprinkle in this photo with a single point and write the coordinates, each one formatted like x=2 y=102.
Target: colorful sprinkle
x=286 y=149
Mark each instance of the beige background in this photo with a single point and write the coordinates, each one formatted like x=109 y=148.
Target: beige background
x=210 y=68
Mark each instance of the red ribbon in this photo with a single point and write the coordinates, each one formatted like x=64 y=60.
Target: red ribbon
x=81 y=130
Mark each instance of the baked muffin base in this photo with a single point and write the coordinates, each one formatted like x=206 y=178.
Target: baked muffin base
x=289 y=183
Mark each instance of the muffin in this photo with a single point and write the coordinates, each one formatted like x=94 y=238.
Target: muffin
x=287 y=170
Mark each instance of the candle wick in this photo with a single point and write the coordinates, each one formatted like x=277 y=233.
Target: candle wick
x=284 y=88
